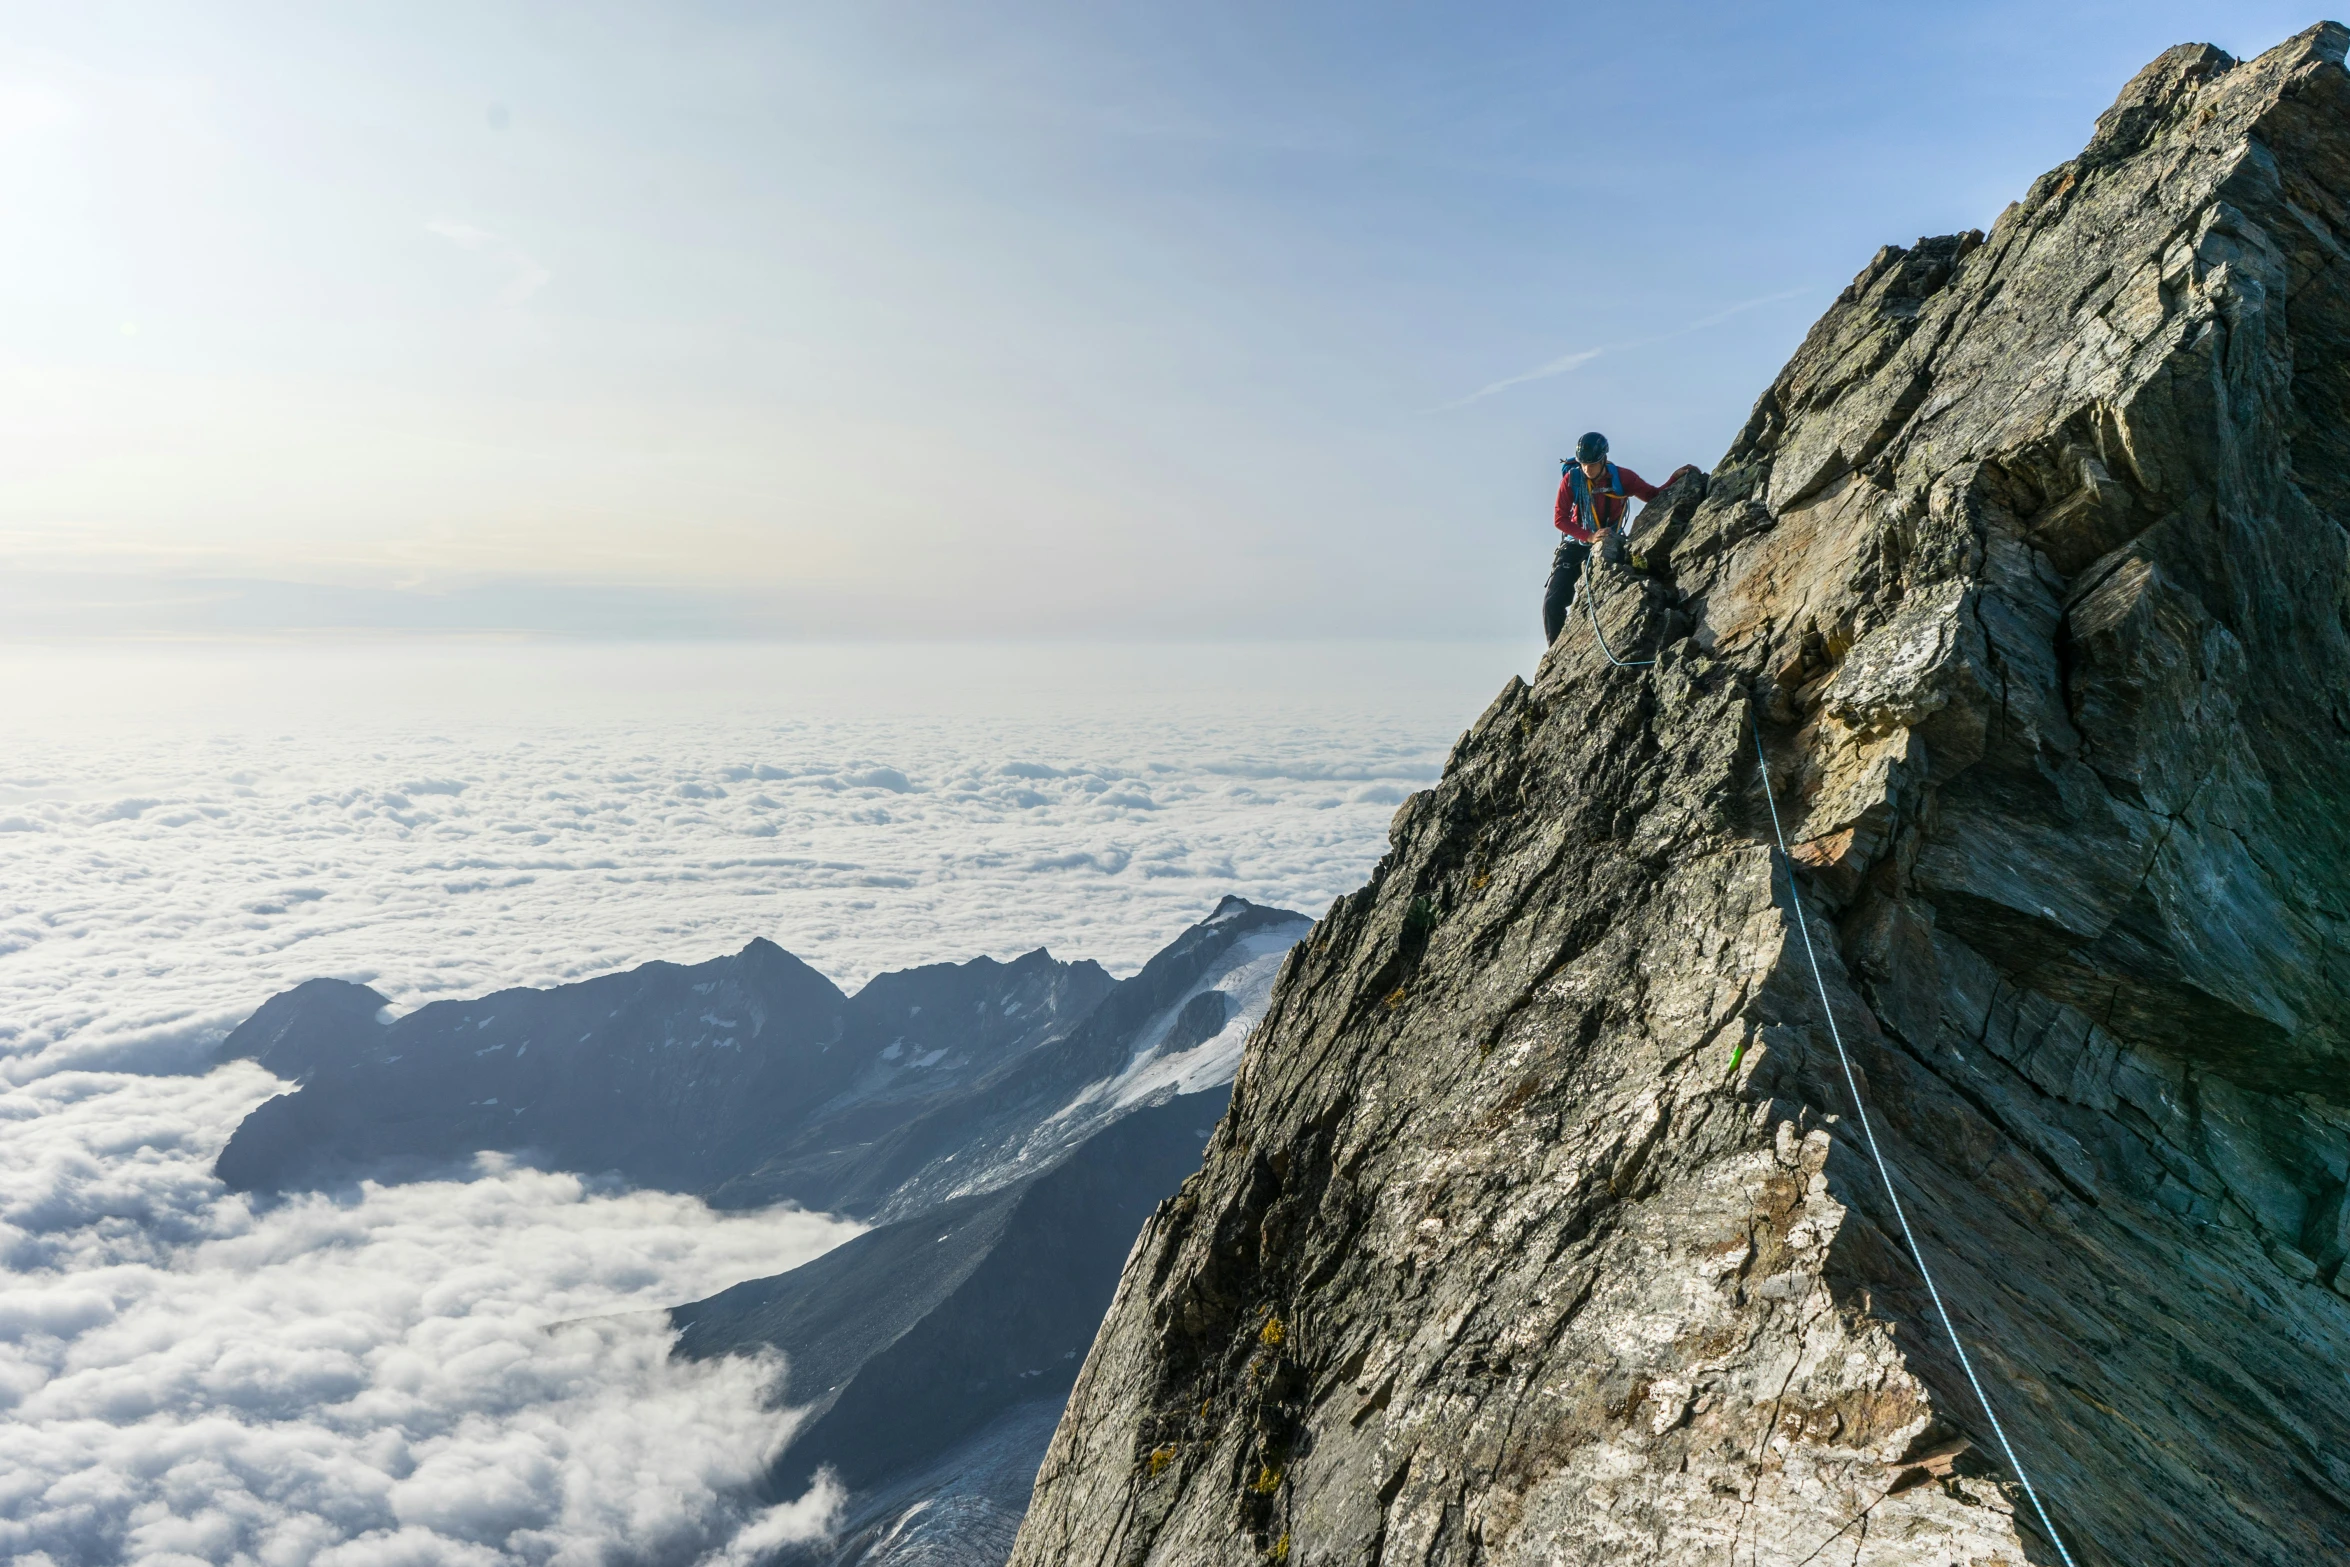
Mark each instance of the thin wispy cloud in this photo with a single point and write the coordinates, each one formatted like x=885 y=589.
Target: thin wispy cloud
x=1541 y=372
x=525 y=275
x=1583 y=356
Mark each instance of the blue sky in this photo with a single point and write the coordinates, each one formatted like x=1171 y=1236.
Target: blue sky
x=928 y=320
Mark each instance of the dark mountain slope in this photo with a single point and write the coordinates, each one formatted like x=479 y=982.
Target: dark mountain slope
x=1023 y=1113
x=915 y=1336
x=671 y=1076
x=318 y=1022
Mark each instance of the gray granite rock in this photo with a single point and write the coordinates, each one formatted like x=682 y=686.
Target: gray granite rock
x=1541 y=1227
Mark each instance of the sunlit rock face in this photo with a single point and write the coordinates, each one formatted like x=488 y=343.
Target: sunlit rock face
x=1541 y=1228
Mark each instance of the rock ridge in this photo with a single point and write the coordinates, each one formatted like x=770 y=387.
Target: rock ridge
x=1537 y=1228
x=752 y=1079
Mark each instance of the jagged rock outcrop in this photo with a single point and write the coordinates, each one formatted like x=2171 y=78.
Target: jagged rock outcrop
x=1539 y=1229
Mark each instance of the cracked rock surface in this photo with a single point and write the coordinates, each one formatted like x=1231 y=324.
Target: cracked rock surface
x=1540 y=1228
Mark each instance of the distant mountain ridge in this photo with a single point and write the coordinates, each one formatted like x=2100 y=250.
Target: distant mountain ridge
x=750 y=1079
x=1007 y=1126
x=1175 y=1027
x=669 y=1076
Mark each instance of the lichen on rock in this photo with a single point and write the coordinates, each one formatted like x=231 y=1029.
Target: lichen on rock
x=2030 y=572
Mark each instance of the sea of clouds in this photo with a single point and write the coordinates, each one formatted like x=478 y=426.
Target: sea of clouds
x=173 y=848
x=475 y=1372
x=449 y=1372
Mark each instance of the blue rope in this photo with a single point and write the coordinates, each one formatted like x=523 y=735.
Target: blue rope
x=1590 y=592
x=1883 y=1172
x=1588 y=510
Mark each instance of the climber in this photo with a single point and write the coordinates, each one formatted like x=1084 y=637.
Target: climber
x=1594 y=495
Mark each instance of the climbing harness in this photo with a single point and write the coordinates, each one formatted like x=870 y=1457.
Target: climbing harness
x=1588 y=589
x=1852 y=1085
x=1884 y=1173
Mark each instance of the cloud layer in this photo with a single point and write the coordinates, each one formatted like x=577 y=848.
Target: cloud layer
x=158 y=887
x=476 y=1372
x=441 y=1373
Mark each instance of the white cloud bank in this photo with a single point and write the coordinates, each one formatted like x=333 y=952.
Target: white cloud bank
x=448 y=1373
x=158 y=881
x=474 y=1373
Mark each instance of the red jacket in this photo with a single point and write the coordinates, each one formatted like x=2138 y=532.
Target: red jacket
x=1611 y=508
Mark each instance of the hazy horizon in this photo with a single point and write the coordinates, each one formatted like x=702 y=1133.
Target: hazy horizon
x=714 y=321
x=223 y=820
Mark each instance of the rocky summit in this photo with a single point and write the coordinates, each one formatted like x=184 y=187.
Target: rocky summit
x=1542 y=1226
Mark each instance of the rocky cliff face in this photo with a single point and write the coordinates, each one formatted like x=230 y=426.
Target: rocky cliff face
x=1539 y=1228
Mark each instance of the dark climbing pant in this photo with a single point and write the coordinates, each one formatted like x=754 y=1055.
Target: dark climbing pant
x=1565 y=567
